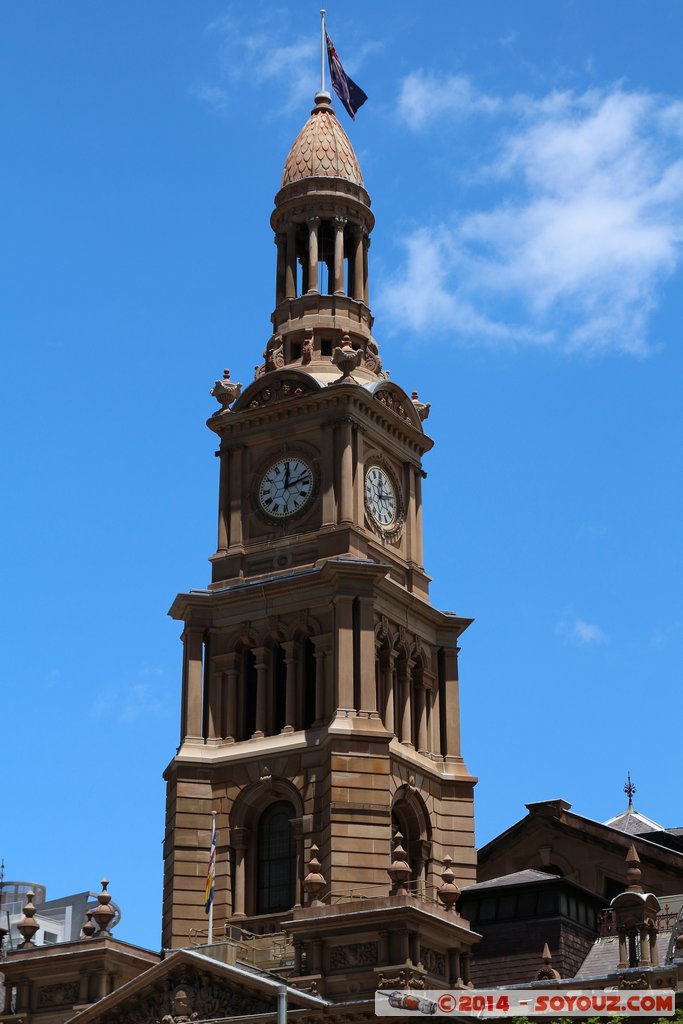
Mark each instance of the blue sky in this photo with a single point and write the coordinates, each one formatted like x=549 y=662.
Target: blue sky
x=525 y=163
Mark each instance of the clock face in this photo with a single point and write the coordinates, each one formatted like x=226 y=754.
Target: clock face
x=380 y=497
x=285 y=487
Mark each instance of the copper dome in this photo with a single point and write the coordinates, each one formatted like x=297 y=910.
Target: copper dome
x=322 y=149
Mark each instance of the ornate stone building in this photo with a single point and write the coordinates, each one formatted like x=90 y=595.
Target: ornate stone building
x=320 y=713
x=320 y=686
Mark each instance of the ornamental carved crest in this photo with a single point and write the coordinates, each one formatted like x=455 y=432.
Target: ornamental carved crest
x=187 y=995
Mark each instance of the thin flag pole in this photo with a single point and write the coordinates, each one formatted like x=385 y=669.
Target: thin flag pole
x=322 y=50
x=213 y=832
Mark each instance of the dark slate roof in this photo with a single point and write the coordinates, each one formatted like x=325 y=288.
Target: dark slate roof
x=634 y=823
x=515 y=878
x=603 y=956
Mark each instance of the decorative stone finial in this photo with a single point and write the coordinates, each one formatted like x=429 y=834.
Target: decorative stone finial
x=225 y=391
x=88 y=927
x=633 y=871
x=399 y=870
x=314 y=882
x=103 y=913
x=422 y=408
x=346 y=358
x=547 y=973
x=448 y=891
x=27 y=926
x=629 y=789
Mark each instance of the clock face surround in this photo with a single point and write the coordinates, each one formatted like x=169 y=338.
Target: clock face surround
x=285 y=487
x=381 y=498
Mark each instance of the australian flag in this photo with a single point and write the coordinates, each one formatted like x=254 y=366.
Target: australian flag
x=351 y=95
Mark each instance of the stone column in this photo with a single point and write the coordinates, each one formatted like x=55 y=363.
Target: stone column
x=290 y=268
x=230 y=680
x=303 y=260
x=434 y=717
x=344 y=666
x=239 y=840
x=366 y=281
x=261 y=692
x=235 y=492
x=404 y=945
x=405 y=709
x=316 y=956
x=421 y=716
x=313 y=224
x=346 y=441
x=281 y=243
x=368 y=683
x=290 y=647
x=83 y=987
x=451 y=699
x=409 y=478
x=358 y=265
x=329 y=498
x=645 y=956
x=623 y=951
x=194 y=645
x=339 y=223
x=453 y=967
x=215 y=690
x=322 y=646
x=390 y=682
x=223 y=500
x=418 y=546
x=465 y=962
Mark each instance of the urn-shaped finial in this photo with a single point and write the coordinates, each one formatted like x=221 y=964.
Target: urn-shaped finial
x=448 y=891
x=28 y=926
x=314 y=882
x=103 y=913
x=399 y=870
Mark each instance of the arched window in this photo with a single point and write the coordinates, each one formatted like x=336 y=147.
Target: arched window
x=276 y=875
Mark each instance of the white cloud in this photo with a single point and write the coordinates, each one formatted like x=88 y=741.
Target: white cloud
x=214 y=96
x=578 y=631
x=424 y=98
x=132 y=702
x=586 y=226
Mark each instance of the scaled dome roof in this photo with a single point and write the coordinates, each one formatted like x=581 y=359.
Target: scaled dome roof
x=322 y=149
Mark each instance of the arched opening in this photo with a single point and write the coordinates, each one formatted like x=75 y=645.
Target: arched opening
x=276 y=859
x=409 y=816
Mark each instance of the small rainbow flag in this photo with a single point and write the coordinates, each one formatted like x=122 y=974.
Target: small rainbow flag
x=211 y=873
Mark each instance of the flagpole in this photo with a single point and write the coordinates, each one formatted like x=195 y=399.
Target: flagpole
x=322 y=50
x=213 y=832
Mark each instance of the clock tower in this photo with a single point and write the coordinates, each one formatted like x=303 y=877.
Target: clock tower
x=319 y=685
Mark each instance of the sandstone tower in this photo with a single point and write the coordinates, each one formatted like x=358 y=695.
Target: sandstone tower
x=320 y=686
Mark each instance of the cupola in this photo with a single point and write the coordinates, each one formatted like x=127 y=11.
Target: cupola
x=322 y=223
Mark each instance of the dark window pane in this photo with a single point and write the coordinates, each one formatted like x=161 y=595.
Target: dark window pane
x=276 y=859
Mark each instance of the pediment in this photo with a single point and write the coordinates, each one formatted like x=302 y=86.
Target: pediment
x=189 y=986
x=276 y=386
x=393 y=397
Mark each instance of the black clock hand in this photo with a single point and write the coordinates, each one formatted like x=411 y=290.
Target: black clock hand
x=286 y=474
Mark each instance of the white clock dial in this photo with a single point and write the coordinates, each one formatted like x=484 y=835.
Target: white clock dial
x=380 y=497
x=285 y=487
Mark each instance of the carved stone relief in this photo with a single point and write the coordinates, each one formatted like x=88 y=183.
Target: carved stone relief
x=357 y=954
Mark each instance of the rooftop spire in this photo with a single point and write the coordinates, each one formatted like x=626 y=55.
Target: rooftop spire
x=629 y=789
